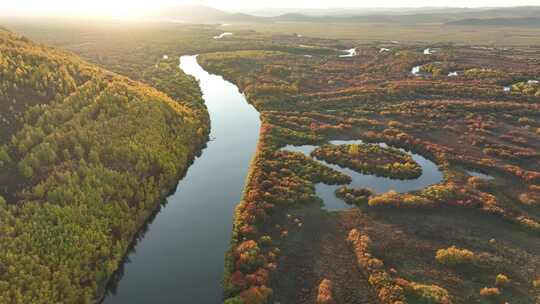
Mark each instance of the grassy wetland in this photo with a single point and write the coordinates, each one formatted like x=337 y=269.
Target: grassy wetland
x=387 y=249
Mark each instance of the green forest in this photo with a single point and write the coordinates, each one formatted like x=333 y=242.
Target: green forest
x=86 y=155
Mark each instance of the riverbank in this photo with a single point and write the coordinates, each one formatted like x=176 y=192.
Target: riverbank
x=144 y=224
x=90 y=154
x=181 y=257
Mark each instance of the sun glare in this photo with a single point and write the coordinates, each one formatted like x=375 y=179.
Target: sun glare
x=139 y=8
x=94 y=9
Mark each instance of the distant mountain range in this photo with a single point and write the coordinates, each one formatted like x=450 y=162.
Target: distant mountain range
x=512 y=16
x=503 y=22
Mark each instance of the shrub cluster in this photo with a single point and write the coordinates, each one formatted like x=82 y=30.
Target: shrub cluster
x=490 y=292
x=454 y=256
x=394 y=199
x=502 y=280
x=483 y=73
x=528 y=88
x=353 y=196
x=424 y=294
x=392 y=290
x=324 y=294
x=388 y=291
x=278 y=179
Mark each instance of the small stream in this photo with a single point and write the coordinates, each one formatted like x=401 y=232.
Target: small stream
x=349 y=53
x=430 y=175
x=222 y=35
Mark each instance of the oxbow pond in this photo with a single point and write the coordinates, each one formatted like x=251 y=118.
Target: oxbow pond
x=430 y=175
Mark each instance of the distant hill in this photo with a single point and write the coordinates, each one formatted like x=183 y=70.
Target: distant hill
x=348 y=12
x=204 y=14
x=508 y=22
x=411 y=16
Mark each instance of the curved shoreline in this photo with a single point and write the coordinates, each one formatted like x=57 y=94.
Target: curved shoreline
x=181 y=256
x=431 y=174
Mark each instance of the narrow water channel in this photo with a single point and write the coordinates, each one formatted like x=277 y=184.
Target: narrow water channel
x=431 y=174
x=180 y=259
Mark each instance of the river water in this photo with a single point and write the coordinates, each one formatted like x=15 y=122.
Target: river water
x=180 y=258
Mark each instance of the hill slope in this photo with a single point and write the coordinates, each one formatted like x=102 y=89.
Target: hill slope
x=85 y=157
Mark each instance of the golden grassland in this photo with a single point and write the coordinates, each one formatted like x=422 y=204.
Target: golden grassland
x=410 y=34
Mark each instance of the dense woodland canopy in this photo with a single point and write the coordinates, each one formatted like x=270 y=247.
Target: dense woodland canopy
x=86 y=156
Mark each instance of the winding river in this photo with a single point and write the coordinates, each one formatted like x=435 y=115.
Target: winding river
x=180 y=258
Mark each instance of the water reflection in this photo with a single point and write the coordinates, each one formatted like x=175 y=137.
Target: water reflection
x=416 y=70
x=222 y=35
x=430 y=175
x=480 y=175
x=349 y=53
x=180 y=259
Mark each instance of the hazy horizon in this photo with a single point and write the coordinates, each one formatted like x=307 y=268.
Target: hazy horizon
x=136 y=8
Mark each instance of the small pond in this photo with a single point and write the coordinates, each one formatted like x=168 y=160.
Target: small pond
x=349 y=53
x=479 y=174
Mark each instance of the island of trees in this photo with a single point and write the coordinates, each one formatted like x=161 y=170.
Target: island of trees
x=371 y=159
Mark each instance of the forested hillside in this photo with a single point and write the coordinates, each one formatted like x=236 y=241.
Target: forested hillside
x=86 y=156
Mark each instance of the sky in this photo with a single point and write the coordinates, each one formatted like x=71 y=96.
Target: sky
x=135 y=7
